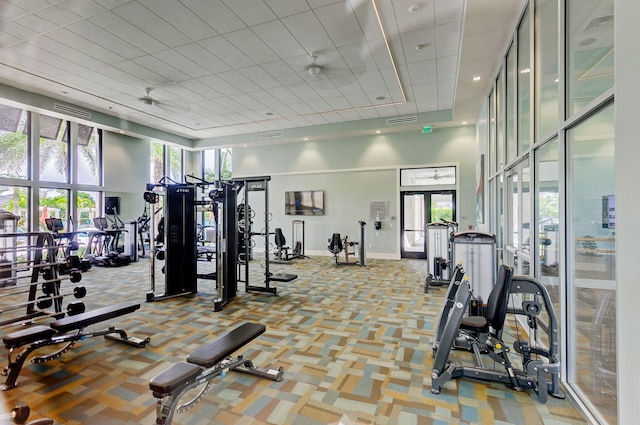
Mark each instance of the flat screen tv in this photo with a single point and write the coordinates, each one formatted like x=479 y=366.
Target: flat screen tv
x=304 y=202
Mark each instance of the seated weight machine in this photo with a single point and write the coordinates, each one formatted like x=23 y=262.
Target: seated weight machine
x=337 y=244
x=521 y=296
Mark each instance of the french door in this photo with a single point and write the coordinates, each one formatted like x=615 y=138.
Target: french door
x=417 y=208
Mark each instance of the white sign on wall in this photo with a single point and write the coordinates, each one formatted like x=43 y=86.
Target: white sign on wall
x=379 y=210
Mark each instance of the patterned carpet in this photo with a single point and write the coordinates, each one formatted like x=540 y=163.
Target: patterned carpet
x=355 y=344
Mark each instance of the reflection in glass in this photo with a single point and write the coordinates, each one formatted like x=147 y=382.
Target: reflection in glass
x=546 y=60
x=14 y=143
x=54 y=203
x=54 y=152
x=88 y=151
x=592 y=256
x=524 y=78
x=590 y=51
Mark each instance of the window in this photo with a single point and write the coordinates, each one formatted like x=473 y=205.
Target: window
x=88 y=207
x=226 y=162
x=54 y=203
x=88 y=154
x=15 y=199
x=156 y=158
x=511 y=134
x=14 y=142
x=175 y=169
x=209 y=165
x=431 y=176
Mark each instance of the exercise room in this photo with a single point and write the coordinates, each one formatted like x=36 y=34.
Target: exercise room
x=319 y=212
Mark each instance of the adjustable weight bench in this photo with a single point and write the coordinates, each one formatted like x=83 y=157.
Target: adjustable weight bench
x=204 y=364
x=66 y=330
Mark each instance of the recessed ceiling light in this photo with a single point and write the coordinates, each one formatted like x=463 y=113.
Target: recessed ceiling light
x=556 y=80
x=269 y=114
x=464 y=123
x=245 y=145
x=121 y=131
x=476 y=78
x=306 y=138
x=525 y=71
x=414 y=8
x=378 y=132
x=380 y=98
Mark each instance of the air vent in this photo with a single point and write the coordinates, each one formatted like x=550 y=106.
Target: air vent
x=402 y=120
x=600 y=23
x=70 y=110
x=273 y=135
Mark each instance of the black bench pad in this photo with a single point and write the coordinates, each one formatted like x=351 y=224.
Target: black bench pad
x=213 y=353
x=174 y=377
x=27 y=336
x=82 y=320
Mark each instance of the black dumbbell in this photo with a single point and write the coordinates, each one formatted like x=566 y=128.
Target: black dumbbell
x=75 y=307
x=44 y=301
x=75 y=276
x=79 y=291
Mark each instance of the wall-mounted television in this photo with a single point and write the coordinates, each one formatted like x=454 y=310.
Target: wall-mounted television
x=304 y=202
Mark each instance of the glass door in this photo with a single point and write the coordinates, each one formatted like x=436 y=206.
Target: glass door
x=418 y=209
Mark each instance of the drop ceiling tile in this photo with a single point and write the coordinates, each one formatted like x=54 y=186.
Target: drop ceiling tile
x=282 y=72
x=147 y=21
x=387 y=14
x=216 y=14
x=340 y=24
x=284 y=110
x=260 y=77
x=63 y=51
x=319 y=105
x=84 y=8
x=220 y=85
x=448 y=11
x=423 y=92
x=358 y=100
x=319 y=3
x=120 y=28
x=182 y=64
x=30 y=5
x=419 y=45
x=264 y=97
x=339 y=103
x=111 y=4
x=181 y=18
x=108 y=41
x=12 y=11
x=275 y=35
x=226 y=51
x=316 y=119
x=74 y=42
x=306 y=28
x=302 y=108
x=351 y=115
x=251 y=12
x=251 y=46
x=239 y=81
x=422 y=18
x=35 y=23
x=6 y=39
x=199 y=55
x=204 y=90
x=368 y=113
x=157 y=66
x=357 y=57
x=422 y=72
x=282 y=94
x=407 y=108
x=428 y=105
x=371 y=80
x=447 y=67
x=387 y=111
x=446 y=88
x=283 y=8
x=448 y=39
x=59 y=16
x=151 y=78
x=366 y=16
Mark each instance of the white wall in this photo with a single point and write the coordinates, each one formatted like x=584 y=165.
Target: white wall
x=353 y=172
x=126 y=172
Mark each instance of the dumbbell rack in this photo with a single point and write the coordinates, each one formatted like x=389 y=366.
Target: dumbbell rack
x=28 y=264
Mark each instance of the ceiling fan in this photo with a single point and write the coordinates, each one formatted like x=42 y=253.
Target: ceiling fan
x=331 y=67
x=437 y=176
x=152 y=102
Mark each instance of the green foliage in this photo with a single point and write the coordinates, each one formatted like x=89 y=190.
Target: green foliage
x=225 y=159
x=439 y=214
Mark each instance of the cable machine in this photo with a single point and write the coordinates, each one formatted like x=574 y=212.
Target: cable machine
x=256 y=184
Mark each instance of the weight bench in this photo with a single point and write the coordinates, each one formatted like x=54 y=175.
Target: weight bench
x=66 y=330
x=204 y=364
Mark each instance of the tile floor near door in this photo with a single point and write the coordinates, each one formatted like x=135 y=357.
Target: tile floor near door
x=355 y=344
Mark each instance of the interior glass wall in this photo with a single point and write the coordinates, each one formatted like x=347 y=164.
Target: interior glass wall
x=524 y=84
x=546 y=67
x=591 y=262
x=590 y=51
